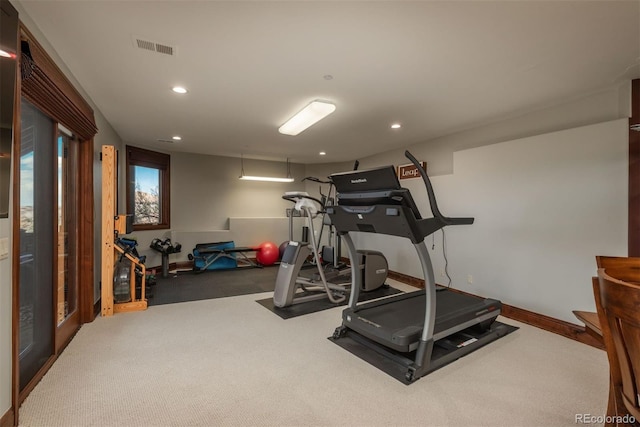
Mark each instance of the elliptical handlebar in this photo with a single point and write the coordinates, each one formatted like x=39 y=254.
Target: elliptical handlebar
x=310 y=210
x=432 y=196
x=314 y=179
x=295 y=195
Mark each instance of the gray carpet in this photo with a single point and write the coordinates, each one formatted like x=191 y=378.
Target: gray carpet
x=230 y=362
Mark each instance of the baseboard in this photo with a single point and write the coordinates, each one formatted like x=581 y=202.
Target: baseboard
x=182 y=265
x=7 y=420
x=551 y=324
x=406 y=279
x=557 y=326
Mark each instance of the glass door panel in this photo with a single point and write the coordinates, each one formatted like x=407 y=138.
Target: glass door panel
x=36 y=241
x=66 y=284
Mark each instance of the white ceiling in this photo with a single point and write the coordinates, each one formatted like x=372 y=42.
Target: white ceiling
x=435 y=67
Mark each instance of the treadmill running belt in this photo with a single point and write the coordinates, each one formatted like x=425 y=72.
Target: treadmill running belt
x=401 y=327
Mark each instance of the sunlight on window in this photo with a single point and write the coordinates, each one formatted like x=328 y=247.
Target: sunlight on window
x=26 y=192
x=147 y=195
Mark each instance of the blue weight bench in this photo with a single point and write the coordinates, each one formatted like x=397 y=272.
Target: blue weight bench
x=221 y=255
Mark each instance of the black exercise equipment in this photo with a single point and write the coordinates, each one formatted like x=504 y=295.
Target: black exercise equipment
x=122 y=272
x=166 y=248
x=412 y=334
x=331 y=254
x=290 y=287
x=328 y=282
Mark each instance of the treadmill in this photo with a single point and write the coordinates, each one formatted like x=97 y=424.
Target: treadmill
x=412 y=334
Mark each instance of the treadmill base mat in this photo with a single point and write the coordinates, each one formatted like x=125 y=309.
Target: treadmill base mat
x=445 y=351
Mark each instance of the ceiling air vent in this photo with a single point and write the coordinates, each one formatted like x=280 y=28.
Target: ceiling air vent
x=166 y=140
x=167 y=50
x=143 y=43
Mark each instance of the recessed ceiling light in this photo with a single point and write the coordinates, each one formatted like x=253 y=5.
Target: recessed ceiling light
x=396 y=126
x=322 y=153
x=179 y=89
x=177 y=138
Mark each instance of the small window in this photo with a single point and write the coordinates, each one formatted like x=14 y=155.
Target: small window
x=148 y=188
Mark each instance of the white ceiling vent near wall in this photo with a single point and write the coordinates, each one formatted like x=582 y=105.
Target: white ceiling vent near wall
x=146 y=43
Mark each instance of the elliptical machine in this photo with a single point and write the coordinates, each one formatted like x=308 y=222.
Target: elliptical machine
x=291 y=288
x=335 y=270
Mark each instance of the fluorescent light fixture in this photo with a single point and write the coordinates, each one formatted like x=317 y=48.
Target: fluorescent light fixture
x=396 y=126
x=179 y=89
x=322 y=153
x=309 y=115
x=265 y=178
x=176 y=138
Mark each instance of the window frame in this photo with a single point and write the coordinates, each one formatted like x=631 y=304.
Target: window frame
x=151 y=159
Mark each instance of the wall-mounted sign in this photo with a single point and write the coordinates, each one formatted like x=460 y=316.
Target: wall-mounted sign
x=410 y=171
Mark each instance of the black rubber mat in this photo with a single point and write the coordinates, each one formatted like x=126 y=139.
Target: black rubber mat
x=445 y=351
x=190 y=286
x=323 y=304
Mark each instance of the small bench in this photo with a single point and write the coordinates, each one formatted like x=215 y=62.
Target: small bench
x=221 y=255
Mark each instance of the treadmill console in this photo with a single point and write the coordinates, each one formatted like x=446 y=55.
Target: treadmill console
x=371 y=187
x=366 y=180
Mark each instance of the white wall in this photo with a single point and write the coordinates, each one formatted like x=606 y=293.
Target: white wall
x=209 y=203
x=601 y=106
x=544 y=207
x=206 y=193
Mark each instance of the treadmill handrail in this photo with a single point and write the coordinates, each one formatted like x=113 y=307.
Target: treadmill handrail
x=432 y=196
